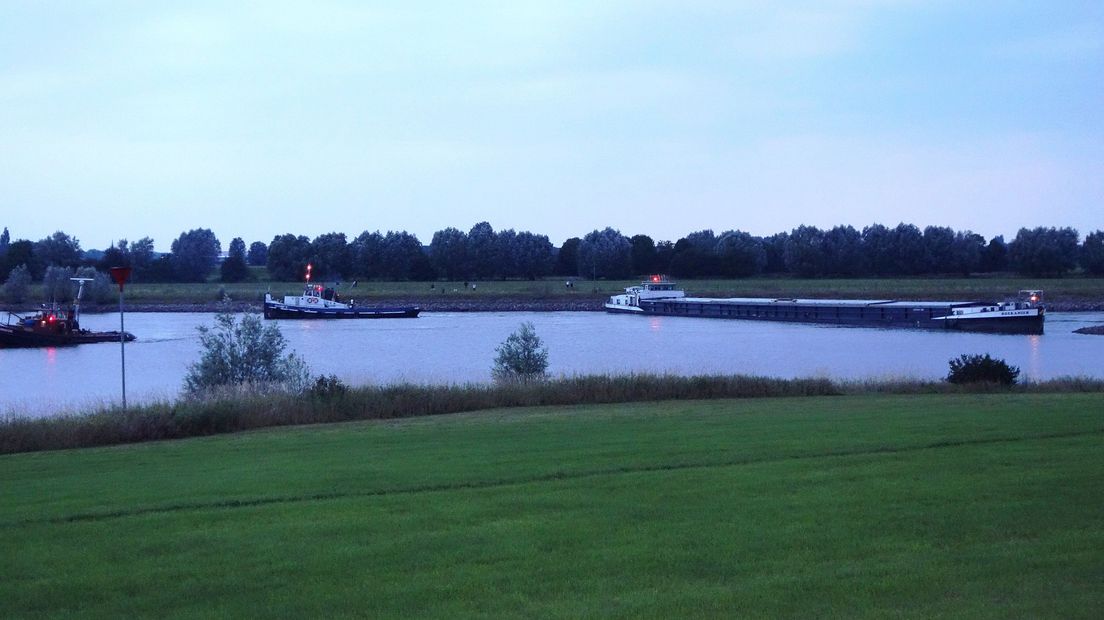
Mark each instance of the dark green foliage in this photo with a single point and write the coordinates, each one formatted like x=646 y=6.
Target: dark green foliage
x=521 y=358
x=1044 y=251
x=59 y=249
x=194 y=255
x=258 y=254
x=567 y=259
x=740 y=255
x=56 y=285
x=995 y=255
x=605 y=254
x=287 y=257
x=1092 y=253
x=449 y=253
x=805 y=252
x=328 y=388
x=981 y=369
x=234 y=268
x=643 y=255
x=243 y=353
x=17 y=285
x=330 y=257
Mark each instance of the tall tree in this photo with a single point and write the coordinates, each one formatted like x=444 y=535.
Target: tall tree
x=805 y=252
x=740 y=255
x=908 y=250
x=404 y=258
x=449 y=253
x=1044 y=251
x=59 y=249
x=258 y=254
x=482 y=251
x=287 y=257
x=567 y=259
x=329 y=256
x=605 y=254
x=367 y=255
x=643 y=254
x=877 y=244
x=1092 y=253
x=843 y=252
x=194 y=255
x=995 y=255
x=234 y=268
x=532 y=255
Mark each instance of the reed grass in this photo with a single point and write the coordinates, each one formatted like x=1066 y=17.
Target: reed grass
x=253 y=407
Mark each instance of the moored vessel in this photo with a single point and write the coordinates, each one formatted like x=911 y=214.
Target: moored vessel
x=319 y=302
x=53 y=327
x=659 y=296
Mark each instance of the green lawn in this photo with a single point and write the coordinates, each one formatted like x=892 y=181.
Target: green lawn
x=1061 y=289
x=952 y=505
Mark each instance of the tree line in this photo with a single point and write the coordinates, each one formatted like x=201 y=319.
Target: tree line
x=482 y=253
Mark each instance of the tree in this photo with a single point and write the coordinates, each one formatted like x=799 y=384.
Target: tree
x=142 y=259
x=805 y=252
x=522 y=358
x=449 y=253
x=1044 y=251
x=56 y=285
x=482 y=251
x=117 y=255
x=908 y=250
x=17 y=285
x=402 y=258
x=506 y=265
x=532 y=255
x=1092 y=253
x=258 y=254
x=287 y=257
x=244 y=353
x=194 y=255
x=643 y=254
x=234 y=269
x=938 y=250
x=567 y=259
x=966 y=251
x=877 y=244
x=740 y=255
x=843 y=252
x=367 y=254
x=995 y=255
x=775 y=248
x=329 y=257
x=100 y=290
x=58 y=249
x=605 y=254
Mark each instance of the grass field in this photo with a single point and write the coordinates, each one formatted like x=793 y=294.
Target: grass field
x=1057 y=290
x=988 y=505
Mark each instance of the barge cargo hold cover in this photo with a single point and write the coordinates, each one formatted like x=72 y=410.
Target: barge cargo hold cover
x=660 y=297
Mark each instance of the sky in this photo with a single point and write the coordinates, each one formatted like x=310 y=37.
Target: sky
x=254 y=119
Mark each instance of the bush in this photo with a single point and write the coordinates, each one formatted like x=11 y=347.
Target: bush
x=244 y=354
x=56 y=285
x=17 y=285
x=522 y=357
x=328 y=388
x=981 y=369
x=100 y=290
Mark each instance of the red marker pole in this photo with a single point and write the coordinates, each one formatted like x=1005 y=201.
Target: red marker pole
x=120 y=275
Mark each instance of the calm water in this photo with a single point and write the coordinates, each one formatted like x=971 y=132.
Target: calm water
x=459 y=347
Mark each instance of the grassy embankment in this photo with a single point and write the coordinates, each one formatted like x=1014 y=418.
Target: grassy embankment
x=986 y=505
x=1072 y=289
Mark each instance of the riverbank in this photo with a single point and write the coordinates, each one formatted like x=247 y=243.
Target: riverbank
x=1073 y=294
x=871 y=505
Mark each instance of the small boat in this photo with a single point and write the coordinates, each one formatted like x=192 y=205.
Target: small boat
x=52 y=327
x=319 y=302
x=659 y=296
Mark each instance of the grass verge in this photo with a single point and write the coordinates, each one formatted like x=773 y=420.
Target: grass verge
x=976 y=505
x=233 y=413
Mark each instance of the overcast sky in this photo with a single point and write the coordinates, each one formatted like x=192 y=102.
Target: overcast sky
x=131 y=119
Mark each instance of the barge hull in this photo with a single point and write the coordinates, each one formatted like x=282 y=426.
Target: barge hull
x=279 y=311
x=872 y=313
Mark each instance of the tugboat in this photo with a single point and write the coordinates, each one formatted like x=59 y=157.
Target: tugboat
x=319 y=302
x=50 y=327
x=660 y=296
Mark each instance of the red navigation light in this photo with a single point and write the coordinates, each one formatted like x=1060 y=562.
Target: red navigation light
x=655 y=278
x=52 y=318
x=308 y=272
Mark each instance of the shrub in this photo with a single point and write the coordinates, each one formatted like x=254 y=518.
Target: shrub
x=328 y=388
x=56 y=285
x=17 y=285
x=981 y=369
x=522 y=357
x=244 y=353
x=100 y=290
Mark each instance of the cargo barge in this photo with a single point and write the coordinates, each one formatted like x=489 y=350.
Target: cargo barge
x=660 y=296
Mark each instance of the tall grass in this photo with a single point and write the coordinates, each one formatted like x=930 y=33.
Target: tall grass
x=254 y=407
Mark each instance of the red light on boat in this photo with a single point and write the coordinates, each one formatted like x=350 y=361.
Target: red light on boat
x=52 y=318
x=655 y=278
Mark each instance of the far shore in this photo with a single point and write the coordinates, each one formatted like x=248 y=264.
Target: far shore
x=504 y=304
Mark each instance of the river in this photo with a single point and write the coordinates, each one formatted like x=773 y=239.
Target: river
x=459 y=347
